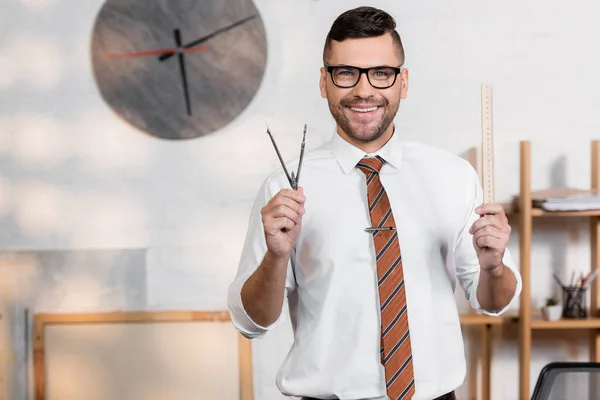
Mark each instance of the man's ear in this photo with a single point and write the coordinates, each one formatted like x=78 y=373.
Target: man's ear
x=404 y=83
x=323 y=83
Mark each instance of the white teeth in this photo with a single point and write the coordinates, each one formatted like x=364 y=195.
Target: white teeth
x=363 y=109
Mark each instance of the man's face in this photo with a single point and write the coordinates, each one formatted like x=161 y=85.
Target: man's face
x=364 y=112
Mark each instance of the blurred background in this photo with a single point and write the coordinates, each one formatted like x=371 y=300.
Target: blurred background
x=99 y=214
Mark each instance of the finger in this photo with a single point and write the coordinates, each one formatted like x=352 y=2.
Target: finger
x=490 y=242
x=492 y=234
x=275 y=225
x=500 y=215
x=283 y=210
x=489 y=220
x=296 y=195
x=489 y=230
x=502 y=238
x=490 y=209
x=495 y=209
x=285 y=201
x=288 y=195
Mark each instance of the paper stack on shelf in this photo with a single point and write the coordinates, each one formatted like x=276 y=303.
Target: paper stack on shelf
x=566 y=199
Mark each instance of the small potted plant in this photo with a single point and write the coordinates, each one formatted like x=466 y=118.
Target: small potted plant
x=552 y=311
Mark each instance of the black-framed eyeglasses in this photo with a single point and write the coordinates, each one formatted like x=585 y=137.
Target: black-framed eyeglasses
x=347 y=76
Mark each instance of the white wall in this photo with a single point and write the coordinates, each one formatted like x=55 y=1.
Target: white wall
x=73 y=175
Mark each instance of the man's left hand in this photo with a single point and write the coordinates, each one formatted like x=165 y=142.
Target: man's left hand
x=490 y=235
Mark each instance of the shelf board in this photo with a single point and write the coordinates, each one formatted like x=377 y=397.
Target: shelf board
x=538 y=212
x=584 y=323
x=475 y=319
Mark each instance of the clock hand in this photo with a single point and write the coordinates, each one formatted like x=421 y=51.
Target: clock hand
x=207 y=37
x=155 y=52
x=182 y=71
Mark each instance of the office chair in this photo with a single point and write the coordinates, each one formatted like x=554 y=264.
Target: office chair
x=568 y=381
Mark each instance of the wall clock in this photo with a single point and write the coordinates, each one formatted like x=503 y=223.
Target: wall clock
x=178 y=69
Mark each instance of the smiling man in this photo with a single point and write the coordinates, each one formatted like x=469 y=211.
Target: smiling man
x=369 y=267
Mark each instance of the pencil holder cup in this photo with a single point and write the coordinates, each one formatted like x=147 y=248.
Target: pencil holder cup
x=574 y=302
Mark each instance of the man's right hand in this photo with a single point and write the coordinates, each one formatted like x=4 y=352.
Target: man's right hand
x=282 y=221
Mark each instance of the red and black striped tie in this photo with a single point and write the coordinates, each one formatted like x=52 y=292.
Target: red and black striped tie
x=396 y=354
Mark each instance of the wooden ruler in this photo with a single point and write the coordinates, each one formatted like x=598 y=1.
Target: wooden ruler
x=487 y=143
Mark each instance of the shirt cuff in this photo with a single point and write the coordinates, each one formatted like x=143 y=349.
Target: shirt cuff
x=509 y=263
x=240 y=318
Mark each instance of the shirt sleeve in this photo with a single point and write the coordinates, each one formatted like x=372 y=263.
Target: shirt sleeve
x=252 y=255
x=465 y=256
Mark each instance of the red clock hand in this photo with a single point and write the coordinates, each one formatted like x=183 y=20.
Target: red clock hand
x=156 y=52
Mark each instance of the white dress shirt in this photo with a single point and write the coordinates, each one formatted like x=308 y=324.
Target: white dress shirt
x=332 y=282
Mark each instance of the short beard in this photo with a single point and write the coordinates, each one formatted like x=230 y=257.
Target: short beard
x=337 y=111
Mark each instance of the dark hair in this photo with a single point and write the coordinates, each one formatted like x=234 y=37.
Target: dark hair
x=363 y=22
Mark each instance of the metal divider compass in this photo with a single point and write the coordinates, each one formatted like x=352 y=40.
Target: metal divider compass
x=293 y=179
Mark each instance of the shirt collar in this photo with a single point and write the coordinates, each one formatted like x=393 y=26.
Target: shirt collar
x=348 y=155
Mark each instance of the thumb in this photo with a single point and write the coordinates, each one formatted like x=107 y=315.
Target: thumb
x=300 y=189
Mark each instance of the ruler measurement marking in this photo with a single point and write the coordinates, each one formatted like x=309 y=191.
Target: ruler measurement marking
x=487 y=132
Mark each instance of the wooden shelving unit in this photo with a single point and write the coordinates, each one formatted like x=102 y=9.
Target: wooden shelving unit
x=527 y=323
x=485 y=324
x=588 y=323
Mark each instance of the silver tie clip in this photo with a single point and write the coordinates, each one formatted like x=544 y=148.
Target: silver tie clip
x=383 y=228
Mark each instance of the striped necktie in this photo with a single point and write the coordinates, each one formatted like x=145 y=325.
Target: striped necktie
x=396 y=354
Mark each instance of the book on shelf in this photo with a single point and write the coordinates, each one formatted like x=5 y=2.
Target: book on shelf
x=566 y=199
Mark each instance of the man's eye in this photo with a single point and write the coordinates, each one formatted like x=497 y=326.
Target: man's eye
x=345 y=72
x=382 y=73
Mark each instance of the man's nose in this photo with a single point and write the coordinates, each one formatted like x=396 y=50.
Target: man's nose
x=363 y=88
